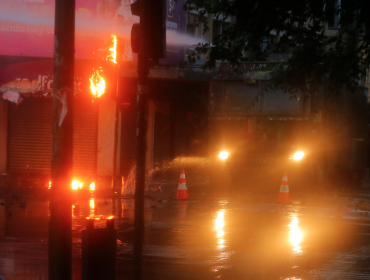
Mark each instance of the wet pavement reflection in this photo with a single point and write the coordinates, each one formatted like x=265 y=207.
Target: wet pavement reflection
x=296 y=234
x=196 y=240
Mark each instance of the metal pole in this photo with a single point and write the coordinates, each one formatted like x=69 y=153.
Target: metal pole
x=60 y=223
x=116 y=178
x=141 y=127
x=115 y=147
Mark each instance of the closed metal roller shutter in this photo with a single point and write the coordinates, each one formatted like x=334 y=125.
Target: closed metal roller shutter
x=85 y=137
x=29 y=145
x=128 y=138
x=30 y=137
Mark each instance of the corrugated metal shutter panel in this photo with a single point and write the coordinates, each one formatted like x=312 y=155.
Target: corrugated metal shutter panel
x=29 y=146
x=30 y=137
x=128 y=138
x=85 y=137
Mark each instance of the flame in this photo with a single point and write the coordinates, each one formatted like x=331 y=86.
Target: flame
x=92 y=186
x=76 y=185
x=113 y=50
x=97 y=84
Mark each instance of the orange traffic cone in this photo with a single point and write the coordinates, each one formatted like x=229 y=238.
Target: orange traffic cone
x=284 y=190
x=182 y=191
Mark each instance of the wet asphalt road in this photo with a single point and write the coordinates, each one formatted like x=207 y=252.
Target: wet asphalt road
x=219 y=239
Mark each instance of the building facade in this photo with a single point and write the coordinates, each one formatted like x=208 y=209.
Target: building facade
x=190 y=110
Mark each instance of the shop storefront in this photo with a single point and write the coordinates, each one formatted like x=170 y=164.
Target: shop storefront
x=27 y=90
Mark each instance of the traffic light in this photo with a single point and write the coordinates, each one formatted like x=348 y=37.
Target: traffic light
x=152 y=27
x=135 y=8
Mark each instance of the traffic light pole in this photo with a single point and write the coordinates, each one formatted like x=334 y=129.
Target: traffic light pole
x=141 y=127
x=148 y=40
x=60 y=222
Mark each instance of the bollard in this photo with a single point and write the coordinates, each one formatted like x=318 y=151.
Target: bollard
x=98 y=254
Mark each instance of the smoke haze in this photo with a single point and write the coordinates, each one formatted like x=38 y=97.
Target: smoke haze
x=88 y=27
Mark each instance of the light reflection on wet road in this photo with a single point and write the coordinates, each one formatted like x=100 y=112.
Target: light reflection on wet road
x=296 y=234
x=197 y=240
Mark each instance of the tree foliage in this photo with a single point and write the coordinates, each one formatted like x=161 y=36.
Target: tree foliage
x=320 y=58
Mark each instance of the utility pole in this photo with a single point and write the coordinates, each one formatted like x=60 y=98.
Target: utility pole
x=117 y=178
x=60 y=223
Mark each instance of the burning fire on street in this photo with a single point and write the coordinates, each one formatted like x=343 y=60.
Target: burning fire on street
x=97 y=84
x=92 y=186
x=76 y=185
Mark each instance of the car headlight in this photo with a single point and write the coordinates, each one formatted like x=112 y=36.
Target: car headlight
x=298 y=155
x=223 y=155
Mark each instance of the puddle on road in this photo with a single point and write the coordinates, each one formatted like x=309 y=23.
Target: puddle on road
x=201 y=241
x=296 y=235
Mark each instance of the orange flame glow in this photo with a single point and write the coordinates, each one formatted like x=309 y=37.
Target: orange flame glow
x=97 y=84
x=92 y=207
x=76 y=185
x=92 y=186
x=113 y=50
